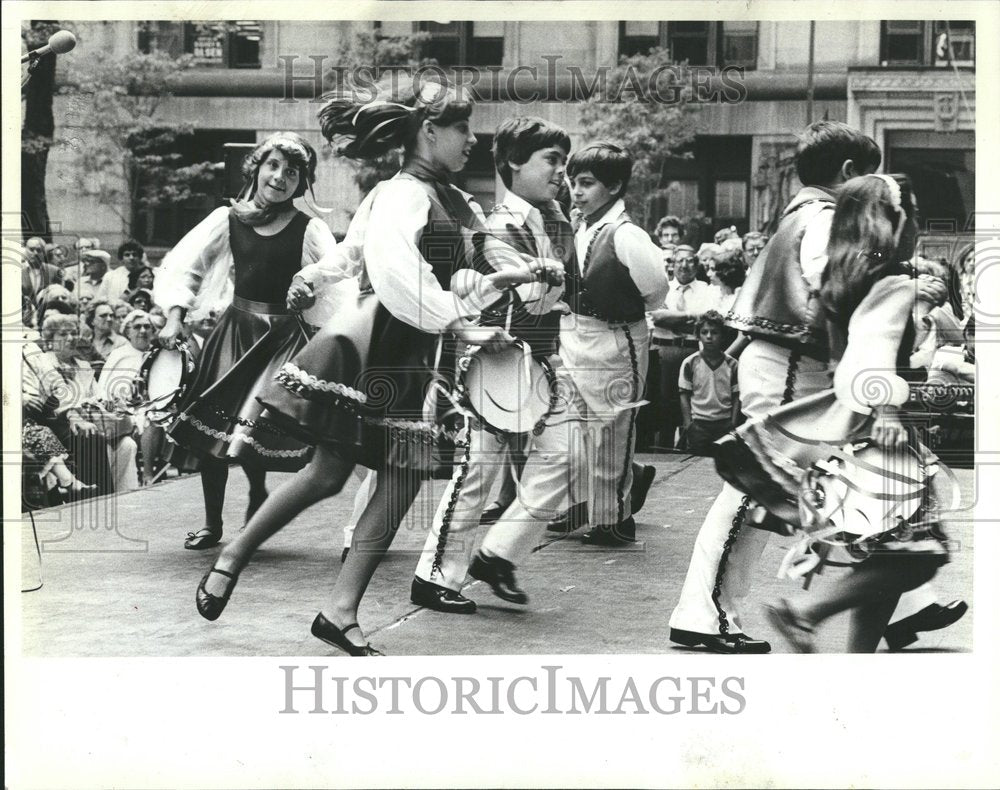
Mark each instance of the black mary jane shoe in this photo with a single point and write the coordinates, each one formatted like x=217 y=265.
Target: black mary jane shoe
x=211 y=606
x=904 y=632
x=327 y=632
x=204 y=538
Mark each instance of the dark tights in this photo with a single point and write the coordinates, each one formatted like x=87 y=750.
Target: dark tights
x=872 y=590
x=214 y=475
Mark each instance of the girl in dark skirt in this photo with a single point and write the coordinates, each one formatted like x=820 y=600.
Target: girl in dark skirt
x=842 y=459
x=243 y=256
x=365 y=387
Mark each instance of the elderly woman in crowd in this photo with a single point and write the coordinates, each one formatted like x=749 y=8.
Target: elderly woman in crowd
x=59 y=388
x=115 y=385
x=753 y=243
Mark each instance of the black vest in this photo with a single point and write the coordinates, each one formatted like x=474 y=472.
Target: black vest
x=606 y=289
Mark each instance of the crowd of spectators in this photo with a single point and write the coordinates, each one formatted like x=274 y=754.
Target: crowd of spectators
x=704 y=283
x=89 y=318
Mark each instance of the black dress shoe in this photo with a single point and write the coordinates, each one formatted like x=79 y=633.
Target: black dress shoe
x=574 y=518
x=621 y=534
x=930 y=618
x=441 y=599
x=326 y=631
x=204 y=538
x=717 y=643
x=211 y=606
x=640 y=486
x=499 y=575
x=492 y=514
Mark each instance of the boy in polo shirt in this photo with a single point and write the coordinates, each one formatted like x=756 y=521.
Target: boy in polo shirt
x=710 y=400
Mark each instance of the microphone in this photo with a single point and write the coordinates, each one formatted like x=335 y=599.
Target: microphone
x=60 y=42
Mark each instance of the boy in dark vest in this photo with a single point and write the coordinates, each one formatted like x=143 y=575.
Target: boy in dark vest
x=614 y=275
x=786 y=358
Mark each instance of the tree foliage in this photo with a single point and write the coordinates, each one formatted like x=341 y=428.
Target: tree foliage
x=126 y=154
x=644 y=105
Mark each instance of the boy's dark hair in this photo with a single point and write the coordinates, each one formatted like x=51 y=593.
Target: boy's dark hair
x=518 y=138
x=130 y=245
x=711 y=318
x=824 y=147
x=611 y=164
x=669 y=220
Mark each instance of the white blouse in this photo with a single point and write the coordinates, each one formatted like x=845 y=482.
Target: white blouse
x=197 y=274
x=384 y=236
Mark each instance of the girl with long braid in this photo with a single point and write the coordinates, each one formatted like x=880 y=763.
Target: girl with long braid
x=364 y=387
x=242 y=258
x=843 y=459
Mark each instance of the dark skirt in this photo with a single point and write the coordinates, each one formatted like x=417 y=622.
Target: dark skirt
x=373 y=389
x=220 y=416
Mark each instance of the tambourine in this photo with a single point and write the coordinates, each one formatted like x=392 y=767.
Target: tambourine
x=863 y=491
x=163 y=379
x=508 y=391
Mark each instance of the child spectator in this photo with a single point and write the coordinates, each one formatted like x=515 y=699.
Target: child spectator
x=710 y=400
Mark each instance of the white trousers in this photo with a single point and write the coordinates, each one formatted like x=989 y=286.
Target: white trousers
x=763 y=376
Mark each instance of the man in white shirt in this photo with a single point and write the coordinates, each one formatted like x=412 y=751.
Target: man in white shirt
x=673 y=334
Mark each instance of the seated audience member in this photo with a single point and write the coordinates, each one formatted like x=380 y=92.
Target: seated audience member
x=669 y=230
x=37 y=273
x=122 y=309
x=141 y=277
x=956 y=364
x=140 y=299
x=101 y=320
x=723 y=234
x=753 y=243
x=709 y=393
x=45 y=456
x=115 y=386
x=59 y=389
x=94 y=265
x=673 y=334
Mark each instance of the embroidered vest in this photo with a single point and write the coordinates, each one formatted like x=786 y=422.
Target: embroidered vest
x=776 y=302
x=606 y=289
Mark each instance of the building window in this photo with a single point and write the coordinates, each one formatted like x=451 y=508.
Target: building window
x=698 y=43
x=942 y=169
x=464 y=43
x=903 y=43
x=637 y=38
x=954 y=43
x=233 y=45
x=939 y=43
